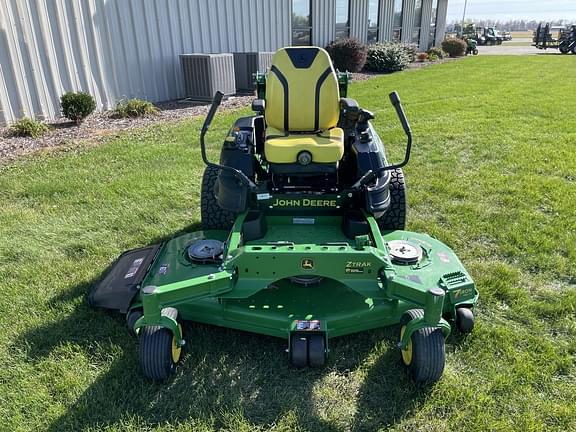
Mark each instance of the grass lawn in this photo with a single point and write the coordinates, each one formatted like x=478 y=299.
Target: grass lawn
x=493 y=174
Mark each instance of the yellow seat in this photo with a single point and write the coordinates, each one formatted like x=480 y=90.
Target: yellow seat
x=326 y=147
x=302 y=107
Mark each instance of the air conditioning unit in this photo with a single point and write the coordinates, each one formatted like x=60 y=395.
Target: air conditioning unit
x=248 y=63
x=204 y=74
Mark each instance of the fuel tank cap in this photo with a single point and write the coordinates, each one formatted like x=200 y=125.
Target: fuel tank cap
x=404 y=252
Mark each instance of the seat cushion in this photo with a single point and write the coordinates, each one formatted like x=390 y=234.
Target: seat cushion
x=326 y=147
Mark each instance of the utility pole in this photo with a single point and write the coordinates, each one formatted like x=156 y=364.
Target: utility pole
x=463 y=17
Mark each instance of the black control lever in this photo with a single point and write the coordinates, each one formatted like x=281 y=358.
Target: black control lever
x=371 y=175
x=216 y=101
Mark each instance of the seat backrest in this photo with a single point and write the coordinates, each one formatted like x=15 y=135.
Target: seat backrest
x=302 y=91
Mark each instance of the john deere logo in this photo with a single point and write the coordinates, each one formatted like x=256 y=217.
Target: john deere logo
x=307 y=264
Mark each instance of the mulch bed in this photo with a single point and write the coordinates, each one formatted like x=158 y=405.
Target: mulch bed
x=100 y=125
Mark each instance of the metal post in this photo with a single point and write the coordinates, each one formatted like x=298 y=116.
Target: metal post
x=463 y=17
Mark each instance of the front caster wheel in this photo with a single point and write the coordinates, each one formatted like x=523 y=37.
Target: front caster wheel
x=298 y=351
x=316 y=350
x=425 y=354
x=159 y=353
x=464 y=320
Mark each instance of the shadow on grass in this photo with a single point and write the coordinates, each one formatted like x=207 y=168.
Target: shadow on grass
x=225 y=377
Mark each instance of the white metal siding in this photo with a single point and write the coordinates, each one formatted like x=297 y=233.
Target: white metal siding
x=359 y=19
x=323 y=21
x=425 y=29
x=441 y=21
x=120 y=48
x=386 y=20
x=408 y=10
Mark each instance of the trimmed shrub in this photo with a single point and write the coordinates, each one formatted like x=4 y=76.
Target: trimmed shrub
x=454 y=47
x=27 y=127
x=438 y=52
x=410 y=48
x=134 y=108
x=422 y=57
x=387 y=57
x=432 y=57
x=348 y=54
x=76 y=106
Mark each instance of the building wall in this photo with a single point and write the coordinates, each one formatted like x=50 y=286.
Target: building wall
x=120 y=48
x=386 y=20
x=359 y=19
x=425 y=29
x=323 y=21
x=441 y=21
x=116 y=49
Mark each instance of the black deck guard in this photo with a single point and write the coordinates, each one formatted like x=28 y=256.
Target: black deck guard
x=119 y=284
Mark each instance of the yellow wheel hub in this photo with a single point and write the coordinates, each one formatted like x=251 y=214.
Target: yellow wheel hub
x=407 y=351
x=176 y=350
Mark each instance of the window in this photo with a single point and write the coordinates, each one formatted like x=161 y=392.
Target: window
x=432 y=39
x=342 y=19
x=417 y=22
x=301 y=23
x=373 y=20
x=397 y=23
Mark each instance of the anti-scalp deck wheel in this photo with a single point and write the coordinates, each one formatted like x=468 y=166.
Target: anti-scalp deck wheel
x=132 y=316
x=465 y=320
x=316 y=350
x=299 y=351
x=425 y=355
x=159 y=353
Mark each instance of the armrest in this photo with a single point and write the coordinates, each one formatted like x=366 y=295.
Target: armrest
x=349 y=113
x=258 y=105
x=349 y=104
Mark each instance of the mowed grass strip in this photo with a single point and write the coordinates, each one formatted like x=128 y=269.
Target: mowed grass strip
x=492 y=174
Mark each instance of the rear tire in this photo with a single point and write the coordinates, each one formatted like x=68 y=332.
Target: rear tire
x=425 y=355
x=159 y=354
x=395 y=216
x=213 y=217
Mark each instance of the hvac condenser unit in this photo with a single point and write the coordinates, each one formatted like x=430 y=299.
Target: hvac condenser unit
x=204 y=74
x=248 y=63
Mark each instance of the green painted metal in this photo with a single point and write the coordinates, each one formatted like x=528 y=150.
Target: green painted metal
x=360 y=288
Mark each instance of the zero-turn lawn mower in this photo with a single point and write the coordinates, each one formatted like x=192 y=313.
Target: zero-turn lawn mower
x=563 y=38
x=303 y=236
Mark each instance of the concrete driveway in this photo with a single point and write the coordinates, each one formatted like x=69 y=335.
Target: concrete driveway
x=513 y=48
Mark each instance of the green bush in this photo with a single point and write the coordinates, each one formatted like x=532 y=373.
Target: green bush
x=76 y=106
x=27 y=127
x=134 y=108
x=410 y=48
x=438 y=52
x=432 y=57
x=454 y=47
x=348 y=54
x=387 y=57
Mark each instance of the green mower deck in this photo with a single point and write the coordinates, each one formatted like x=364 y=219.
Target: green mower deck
x=358 y=287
